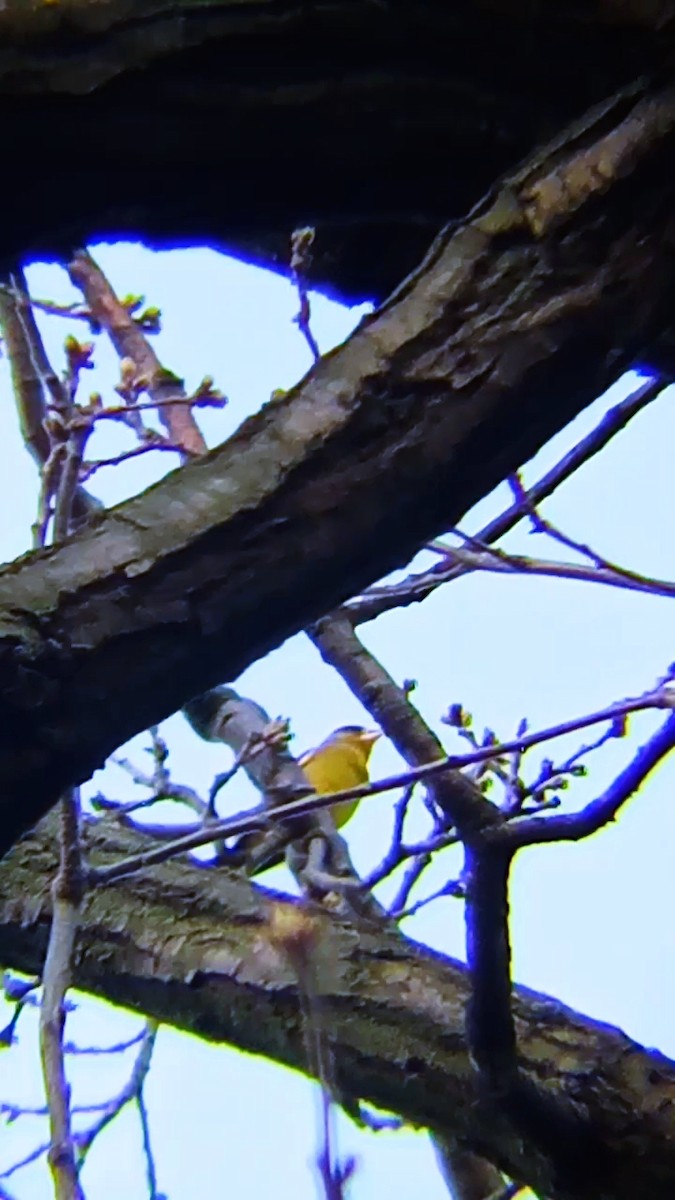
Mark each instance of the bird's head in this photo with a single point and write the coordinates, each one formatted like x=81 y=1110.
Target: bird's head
x=356 y=735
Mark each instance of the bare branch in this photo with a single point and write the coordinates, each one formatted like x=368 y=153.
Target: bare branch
x=56 y=979
x=87 y=469
x=301 y=245
x=418 y=586
x=131 y=344
x=131 y=1090
x=504 y=563
x=455 y=795
x=575 y=826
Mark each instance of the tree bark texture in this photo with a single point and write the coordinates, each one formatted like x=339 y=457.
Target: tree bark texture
x=231 y=123
x=190 y=947
x=520 y=315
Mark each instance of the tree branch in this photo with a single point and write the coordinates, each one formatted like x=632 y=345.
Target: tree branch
x=166 y=83
x=416 y=587
x=131 y=343
x=395 y=1012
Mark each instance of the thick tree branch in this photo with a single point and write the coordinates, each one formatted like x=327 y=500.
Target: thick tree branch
x=519 y=316
x=189 y=947
x=229 y=97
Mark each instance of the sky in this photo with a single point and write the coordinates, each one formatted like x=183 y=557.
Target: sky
x=590 y=921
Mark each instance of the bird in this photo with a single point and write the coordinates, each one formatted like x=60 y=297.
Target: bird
x=339 y=763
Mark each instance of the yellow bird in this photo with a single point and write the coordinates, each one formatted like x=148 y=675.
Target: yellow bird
x=340 y=762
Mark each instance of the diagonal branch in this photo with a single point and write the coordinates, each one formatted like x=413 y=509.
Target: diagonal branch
x=418 y=586
x=131 y=344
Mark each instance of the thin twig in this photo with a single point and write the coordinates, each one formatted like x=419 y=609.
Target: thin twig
x=131 y=1090
x=150 y=1168
x=203 y=398
x=90 y=468
x=411 y=876
x=29 y=1158
x=532 y=830
x=301 y=244
x=541 y=524
x=454 y=887
x=116 y=1048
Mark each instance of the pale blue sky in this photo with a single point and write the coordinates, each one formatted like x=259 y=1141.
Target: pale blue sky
x=589 y=920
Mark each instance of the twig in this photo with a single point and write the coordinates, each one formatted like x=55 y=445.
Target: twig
x=411 y=876
x=397 y=851
x=254 y=745
x=88 y=469
x=454 y=887
x=14 y=1111
x=553 y=777
x=69 y=478
x=7 y=1034
x=32 y=372
x=150 y=1168
x=116 y=1048
x=541 y=524
x=29 y=1158
x=73 y=312
x=301 y=244
x=206 y=396
x=574 y=826
x=400 y=909
x=504 y=563
x=513 y=788
x=399 y=854
x=131 y=1090
x=159 y=782
x=148 y=319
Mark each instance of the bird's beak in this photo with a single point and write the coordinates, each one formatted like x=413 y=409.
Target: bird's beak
x=370 y=736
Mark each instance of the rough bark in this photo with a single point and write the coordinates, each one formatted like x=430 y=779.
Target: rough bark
x=189 y=947
x=520 y=315
x=233 y=122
